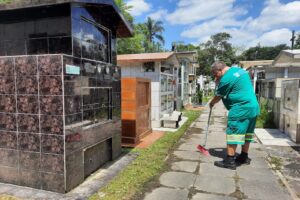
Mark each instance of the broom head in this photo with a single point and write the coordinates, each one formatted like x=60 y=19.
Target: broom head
x=202 y=150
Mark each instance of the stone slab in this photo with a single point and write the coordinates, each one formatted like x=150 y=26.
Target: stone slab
x=274 y=137
x=210 y=170
x=177 y=179
x=203 y=196
x=257 y=174
x=187 y=155
x=215 y=184
x=185 y=166
x=261 y=191
x=164 y=193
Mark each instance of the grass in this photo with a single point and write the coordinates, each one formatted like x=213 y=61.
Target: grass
x=145 y=168
x=7 y=197
x=266 y=117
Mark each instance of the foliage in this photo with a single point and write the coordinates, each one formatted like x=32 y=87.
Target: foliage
x=146 y=167
x=125 y=10
x=153 y=31
x=262 y=53
x=182 y=47
x=266 y=117
x=297 y=43
x=217 y=48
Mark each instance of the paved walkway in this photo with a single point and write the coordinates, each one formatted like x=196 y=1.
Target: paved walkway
x=194 y=176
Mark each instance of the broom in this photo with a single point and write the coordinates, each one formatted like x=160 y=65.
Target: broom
x=202 y=148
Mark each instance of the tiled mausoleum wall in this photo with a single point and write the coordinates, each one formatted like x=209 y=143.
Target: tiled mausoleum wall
x=51 y=119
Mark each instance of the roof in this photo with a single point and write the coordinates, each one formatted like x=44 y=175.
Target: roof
x=144 y=57
x=124 y=29
x=251 y=63
x=288 y=58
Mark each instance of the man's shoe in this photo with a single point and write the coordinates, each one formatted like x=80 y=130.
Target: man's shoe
x=228 y=163
x=242 y=160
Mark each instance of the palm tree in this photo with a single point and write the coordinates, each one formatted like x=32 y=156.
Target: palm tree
x=154 y=30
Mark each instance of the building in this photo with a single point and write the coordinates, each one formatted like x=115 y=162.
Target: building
x=60 y=90
x=172 y=78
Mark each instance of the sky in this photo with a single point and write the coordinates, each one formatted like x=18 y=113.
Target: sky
x=249 y=22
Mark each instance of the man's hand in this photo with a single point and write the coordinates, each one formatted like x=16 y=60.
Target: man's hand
x=215 y=100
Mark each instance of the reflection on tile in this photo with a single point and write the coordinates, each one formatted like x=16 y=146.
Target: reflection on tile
x=28 y=123
x=52 y=144
x=7 y=103
x=50 y=85
x=53 y=182
x=52 y=124
x=72 y=104
x=73 y=119
x=26 y=65
x=52 y=163
x=9 y=157
x=27 y=85
x=7 y=85
x=50 y=65
x=28 y=104
x=29 y=160
x=30 y=178
x=51 y=105
x=29 y=142
x=8 y=122
x=8 y=140
x=6 y=66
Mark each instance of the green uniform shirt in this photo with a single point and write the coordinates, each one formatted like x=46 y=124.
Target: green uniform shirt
x=237 y=94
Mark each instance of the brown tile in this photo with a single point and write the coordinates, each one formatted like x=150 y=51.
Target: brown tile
x=53 y=182
x=28 y=123
x=27 y=85
x=52 y=124
x=8 y=122
x=7 y=103
x=9 y=157
x=52 y=163
x=30 y=160
x=30 y=179
x=6 y=66
x=50 y=65
x=26 y=65
x=29 y=142
x=52 y=144
x=7 y=85
x=51 y=105
x=28 y=104
x=9 y=175
x=8 y=140
x=50 y=85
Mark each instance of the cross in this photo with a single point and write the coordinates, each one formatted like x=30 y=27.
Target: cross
x=293 y=39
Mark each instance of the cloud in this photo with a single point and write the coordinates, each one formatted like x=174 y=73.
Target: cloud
x=191 y=11
x=158 y=15
x=138 y=7
x=271 y=27
x=276 y=15
x=274 y=37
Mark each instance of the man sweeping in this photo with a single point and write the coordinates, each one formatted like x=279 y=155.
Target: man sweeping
x=235 y=89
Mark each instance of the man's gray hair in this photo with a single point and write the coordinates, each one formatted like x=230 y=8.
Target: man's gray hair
x=218 y=65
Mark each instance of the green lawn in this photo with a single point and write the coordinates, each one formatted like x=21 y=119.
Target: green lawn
x=145 y=168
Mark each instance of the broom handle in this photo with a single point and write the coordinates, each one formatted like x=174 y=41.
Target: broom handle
x=206 y=131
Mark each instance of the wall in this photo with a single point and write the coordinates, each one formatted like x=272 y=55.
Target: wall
x=290 y=115
x=52 y=119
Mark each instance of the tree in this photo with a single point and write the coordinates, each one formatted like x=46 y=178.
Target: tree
x=262 y=53
x=297 y=43
x=154 y=30
x=217 y=48
x=135 y=43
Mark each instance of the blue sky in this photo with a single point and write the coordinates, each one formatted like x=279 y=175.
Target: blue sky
x=267 y=22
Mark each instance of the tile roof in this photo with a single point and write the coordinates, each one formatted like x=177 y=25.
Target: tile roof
x=144 y=57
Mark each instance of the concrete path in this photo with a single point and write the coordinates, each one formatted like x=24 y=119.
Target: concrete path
x=193 y=176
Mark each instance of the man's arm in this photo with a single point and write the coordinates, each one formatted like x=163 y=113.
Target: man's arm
x=215 y=100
